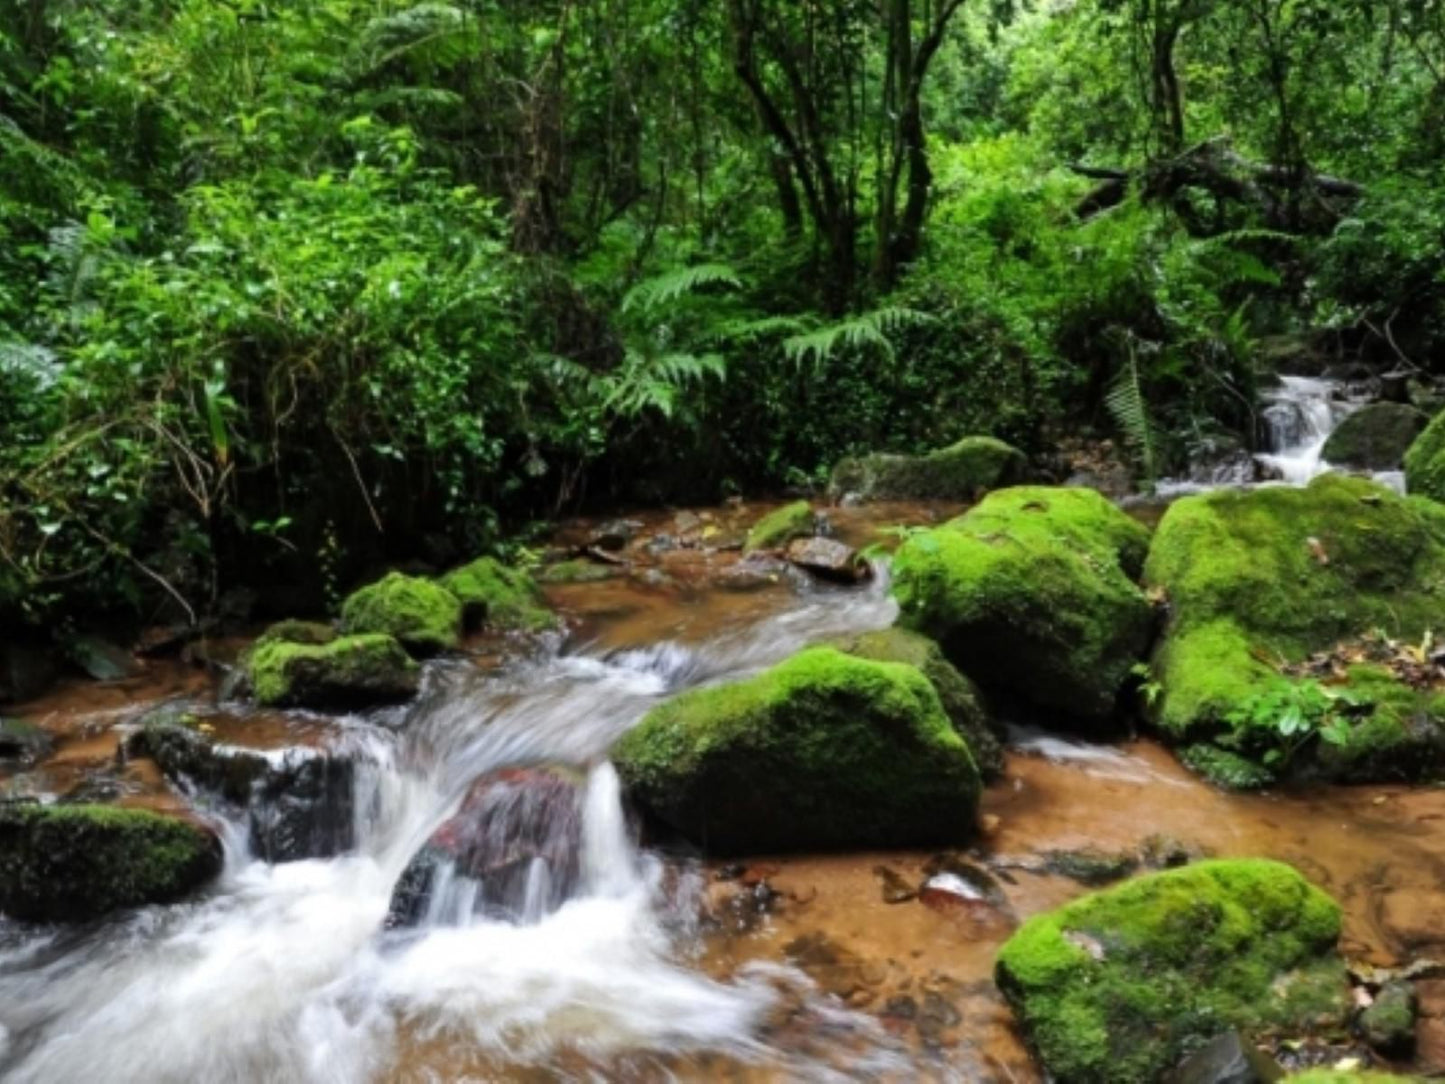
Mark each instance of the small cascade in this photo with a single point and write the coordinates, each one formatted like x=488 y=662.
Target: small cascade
x=1300 y=414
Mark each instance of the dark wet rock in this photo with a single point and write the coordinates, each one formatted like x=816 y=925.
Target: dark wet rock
x=901 y=1006
x=1090 y=867
x=1226 y=1059
x=961 y=700
x=100 y=789
x=956 y=473
x=894 y=887
x=26 y=669
x=300 y=664
x=160 y=640
x=300 y=803
x=512 y=851
x=1388 y=1023
x=614 y=535
x=828 y=559
x=1258 y=582
x=951 y=879
x=102 y=660
x=756 y=572
x=768 y=763
x=1118 y=985
x=781 y=526
x=1032 y=593
x=74 y=863
x=23 y=742
x=1375 y=437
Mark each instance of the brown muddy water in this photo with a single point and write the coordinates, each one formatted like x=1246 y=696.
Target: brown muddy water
x=864 y=966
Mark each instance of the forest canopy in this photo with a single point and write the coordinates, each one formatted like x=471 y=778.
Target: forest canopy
x=290 y=288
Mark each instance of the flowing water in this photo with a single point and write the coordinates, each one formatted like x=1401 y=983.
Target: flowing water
x=601 y=959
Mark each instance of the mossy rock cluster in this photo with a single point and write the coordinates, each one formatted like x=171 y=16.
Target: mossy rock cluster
x=780 y=526
x=1425 y=461
x=1375 y=437
x=1270 y=575
x=1117 y=986
x=425 y=616
x=334 y=672
x=823 y=751
x=1032 y=593
x=502 y=598
x=961 y=700
x=77 y=862
x=956 y=473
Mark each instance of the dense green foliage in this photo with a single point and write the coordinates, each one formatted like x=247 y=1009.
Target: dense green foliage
x=290 y=289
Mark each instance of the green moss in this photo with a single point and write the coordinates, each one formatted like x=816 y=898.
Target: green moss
x=1339 y=1076
x=961 y=700
x=824 y=750
x=1375 y=437
x=780 y=526
x=292 y=631
x=500 y=597
x=350 y=670
x=1225 y=768
x=1274 y=574
x=579 y=570
x=77 y=862
x=1388 y=1024
x=423 y=615
x=955 y=473
x=1117 y=985
x=1031 y=592
x=1425 y=461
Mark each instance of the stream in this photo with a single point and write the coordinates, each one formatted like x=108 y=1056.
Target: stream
x=644 y=965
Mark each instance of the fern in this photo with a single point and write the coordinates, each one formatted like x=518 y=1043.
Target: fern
x=653 y=382
x=29 y=360
x=867 y=329
x=671 y=285
x=1126 y=403
x=428 y=36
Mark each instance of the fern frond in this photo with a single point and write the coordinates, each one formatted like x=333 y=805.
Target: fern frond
x=653 y=382
x=1125 y=401
x=671 y=285
x=431 y=36
x=867 y=329
x=30 y=360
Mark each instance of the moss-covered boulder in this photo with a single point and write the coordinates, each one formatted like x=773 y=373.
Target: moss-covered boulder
x=1347 y=1076
x=1115 y=987
x=1256 y=579
x=77 y=862
x=1425 y=461
x=580 y=570
x=823 y=751
x=423 y=615
x=956 y=473
x=781 y=526
x=961 y=700
x=346 y=671
x=502 y=598
x=1375 y=437
x=1032 y=592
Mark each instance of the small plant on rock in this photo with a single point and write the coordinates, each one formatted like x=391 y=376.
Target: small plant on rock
x=1286 y=716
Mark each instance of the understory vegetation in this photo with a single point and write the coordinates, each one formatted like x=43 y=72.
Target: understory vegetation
x=292 y=290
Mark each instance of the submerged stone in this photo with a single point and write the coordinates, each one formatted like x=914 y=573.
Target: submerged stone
x=77 y=862
x=1388 y=1024
x=961 y=700
x=1031 y=593
x=424 y=616
x=824 y=750
x=499 y=597
x=1255 y=580
x=1114 y=987
x=348 y=671
x=956 y=473
x=828 y=559
x=781 y=526
x=1227 y=1059
x=1375 y=437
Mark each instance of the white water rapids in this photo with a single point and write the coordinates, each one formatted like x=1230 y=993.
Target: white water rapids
x=284 y=973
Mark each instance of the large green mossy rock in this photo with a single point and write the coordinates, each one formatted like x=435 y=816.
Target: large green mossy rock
x=1375 y=437
x=1347 y=1076
x=823 y=751
x=423 y=615
x=1257 y=577
x=1032 y=592
x=501 y=598
x=1425 y=461
x=961 y=700
x=956 y=473
x=781 y=526
x=339 y=672
x=1117 y=986
x=78 y=862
